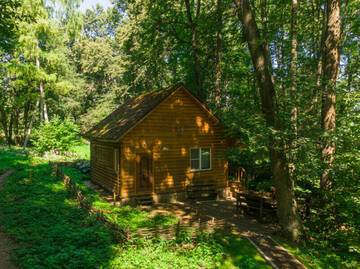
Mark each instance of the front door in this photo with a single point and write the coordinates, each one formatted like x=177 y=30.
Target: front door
x=144 y=173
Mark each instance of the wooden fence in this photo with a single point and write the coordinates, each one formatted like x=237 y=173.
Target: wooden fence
x=119 y=233
x=191 y=228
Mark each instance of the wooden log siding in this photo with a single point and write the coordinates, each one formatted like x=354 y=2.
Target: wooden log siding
x=168 y=133
x=102 y=165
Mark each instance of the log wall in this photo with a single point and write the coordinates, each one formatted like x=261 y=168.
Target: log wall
x=103 y=165
x=168 y=133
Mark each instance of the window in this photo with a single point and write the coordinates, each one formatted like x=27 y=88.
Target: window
x=200 y=159
x=116 y=152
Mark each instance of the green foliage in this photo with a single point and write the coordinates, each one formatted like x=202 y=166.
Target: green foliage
x=10 y=10
x=126 y=216
x=2 y=140
x=317 y=258
x=207 y=251
x=82 y=150
x=52 y=231
x=12 y=159
x=90 y=63
x=55 y=135
x=49 y=228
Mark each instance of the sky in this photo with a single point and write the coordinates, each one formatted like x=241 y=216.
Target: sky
x=88 y=4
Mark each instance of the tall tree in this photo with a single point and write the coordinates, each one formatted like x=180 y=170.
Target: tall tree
x=330 y=52
x=287 y=207
x=193 y=25
x=293 y=88
x=219 y=52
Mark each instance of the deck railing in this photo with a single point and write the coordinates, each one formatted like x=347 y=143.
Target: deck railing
x=238 y=177
x=237 y=174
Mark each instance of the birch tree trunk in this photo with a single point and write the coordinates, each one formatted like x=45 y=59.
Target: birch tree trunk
x=42 y=95
x=31 y=124
x=287 y=207
x=330 y=73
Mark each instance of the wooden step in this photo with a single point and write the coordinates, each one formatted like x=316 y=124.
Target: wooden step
x=202 y=194
x=145 y=200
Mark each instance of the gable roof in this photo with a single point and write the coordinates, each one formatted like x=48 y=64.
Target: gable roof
x=129 y=114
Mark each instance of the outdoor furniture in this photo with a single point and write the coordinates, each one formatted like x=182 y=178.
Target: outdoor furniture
x=252 y=202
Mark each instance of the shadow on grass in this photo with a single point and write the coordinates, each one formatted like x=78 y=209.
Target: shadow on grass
x=239 y=253
x=12 y=159
x=135 y=218
x=52 y=232
x=48 y=227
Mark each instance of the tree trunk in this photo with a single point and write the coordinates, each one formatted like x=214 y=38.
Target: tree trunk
x=194 y=46
x=16 y=127
x=31 y=124
x=313 y=109
x=219 y=41
x=10 y=130
x=4 y=123
x=293 y=84
x=26 y=118
x=330 y=73
x=42 y=95
x=287 y=207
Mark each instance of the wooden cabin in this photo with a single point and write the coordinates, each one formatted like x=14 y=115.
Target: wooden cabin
x=160 y=144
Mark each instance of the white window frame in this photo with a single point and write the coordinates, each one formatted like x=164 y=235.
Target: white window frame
x=200 y=169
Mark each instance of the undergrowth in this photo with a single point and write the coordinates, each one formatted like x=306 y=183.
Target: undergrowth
x=135 y=218
x=51 y=231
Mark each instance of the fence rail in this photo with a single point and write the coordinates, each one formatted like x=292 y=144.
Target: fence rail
x=120 y=233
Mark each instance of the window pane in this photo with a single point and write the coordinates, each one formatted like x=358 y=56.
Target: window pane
x=194 y=154
x=205 y=158
x=194 y=164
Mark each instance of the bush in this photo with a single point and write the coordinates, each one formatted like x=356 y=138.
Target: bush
x=56 y=135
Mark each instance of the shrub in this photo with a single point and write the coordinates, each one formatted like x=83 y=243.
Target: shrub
x=56 y=135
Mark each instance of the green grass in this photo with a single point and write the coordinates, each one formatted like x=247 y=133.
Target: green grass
x=11 y=158
x=48 y=227
x=82 y=151
x=51 y=231
x=135 y=218
x=210 y=251
x=316 y=258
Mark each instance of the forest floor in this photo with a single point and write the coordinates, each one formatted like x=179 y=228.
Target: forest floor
x=221 y=211
x=50 y=230
x=5 y=243
x=257 y=233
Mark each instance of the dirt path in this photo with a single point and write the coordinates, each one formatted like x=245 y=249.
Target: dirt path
x=5 y=243
x=258 y=234
x=5 y=175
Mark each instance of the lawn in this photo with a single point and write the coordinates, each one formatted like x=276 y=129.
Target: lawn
x=51 y=231
x=82 y=151
x=316 y=258
x=126 y=216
